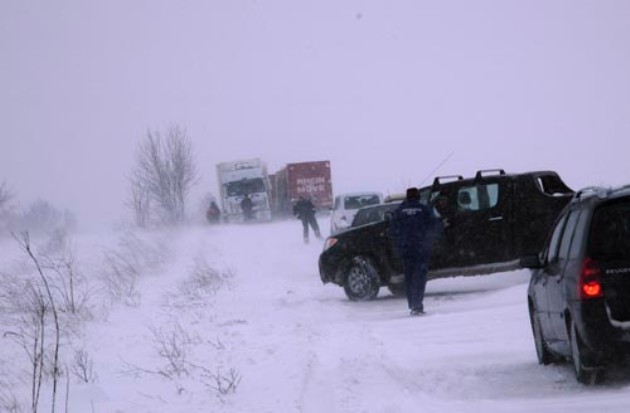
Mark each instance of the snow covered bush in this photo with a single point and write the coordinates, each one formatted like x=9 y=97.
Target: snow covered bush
x=123 y=265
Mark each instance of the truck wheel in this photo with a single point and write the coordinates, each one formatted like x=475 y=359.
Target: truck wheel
x=585 y=373
x=362 y=282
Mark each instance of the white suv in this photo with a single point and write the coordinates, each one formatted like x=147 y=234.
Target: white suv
x=347 y=205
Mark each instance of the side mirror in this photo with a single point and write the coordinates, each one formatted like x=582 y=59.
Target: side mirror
x=531 y=261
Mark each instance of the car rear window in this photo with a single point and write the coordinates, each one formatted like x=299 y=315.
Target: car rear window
x=360 y=201
x=610 y=231
x=373 y=214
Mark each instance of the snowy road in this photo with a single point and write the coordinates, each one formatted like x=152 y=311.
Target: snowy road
x=300 y=346
x=305 y=348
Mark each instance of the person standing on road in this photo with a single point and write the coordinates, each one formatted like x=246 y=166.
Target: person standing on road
x=304 y=210
x=213 y=213
x=412 y=227
x=247 y=206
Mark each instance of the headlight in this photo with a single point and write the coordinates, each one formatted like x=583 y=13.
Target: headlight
x=329 y=242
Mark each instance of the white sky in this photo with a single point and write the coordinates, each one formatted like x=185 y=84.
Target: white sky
x=383 y=89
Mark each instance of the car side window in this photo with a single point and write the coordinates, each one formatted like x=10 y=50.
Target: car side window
x=552 y=251
x=567 y=237
x=478 y=197
x=426 y=196
x=578 y=236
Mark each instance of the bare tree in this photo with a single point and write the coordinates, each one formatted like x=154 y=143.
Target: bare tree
x=5 y=195
x=139 y=201
x=7 y=217
x=42 y=216
x=166 y=170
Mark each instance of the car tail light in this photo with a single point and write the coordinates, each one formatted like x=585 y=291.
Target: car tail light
x=590 y=282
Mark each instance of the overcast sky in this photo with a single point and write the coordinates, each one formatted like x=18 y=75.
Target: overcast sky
x=386 y=90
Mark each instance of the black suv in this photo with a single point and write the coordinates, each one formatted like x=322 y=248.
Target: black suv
x=579 y=293
x=492 y=219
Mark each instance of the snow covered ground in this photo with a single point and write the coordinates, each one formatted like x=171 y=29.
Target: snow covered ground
x=235 y=319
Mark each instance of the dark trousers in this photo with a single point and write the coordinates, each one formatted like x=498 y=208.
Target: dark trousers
x=310 y=220
x=415 y=268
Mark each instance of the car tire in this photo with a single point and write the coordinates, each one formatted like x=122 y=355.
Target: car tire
x=545 y=357
x=361 y=282
x=586 y=372
x=398 y=290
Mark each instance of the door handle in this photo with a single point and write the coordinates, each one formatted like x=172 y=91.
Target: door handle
x=496 y=218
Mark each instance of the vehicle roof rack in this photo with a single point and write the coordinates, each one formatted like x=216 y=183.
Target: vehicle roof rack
x=450 y=178
x=480 y=174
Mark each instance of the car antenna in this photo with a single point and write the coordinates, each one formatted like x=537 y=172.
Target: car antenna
x=437 y=167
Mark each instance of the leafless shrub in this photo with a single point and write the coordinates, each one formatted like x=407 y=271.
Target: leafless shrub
x=83 y=367
x=172 y=346
x=120 y=277
x=30 y=336
x=164 y=174
x=9 y=402
x=125 y=263
x=200 y=287
x=223 y=382
x=68 y=284
x=204 y=280
x=25 y=244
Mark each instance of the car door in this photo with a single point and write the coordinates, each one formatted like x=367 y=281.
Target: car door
x=555 y=277
x=557 y=290
x=544 y=281
x=481 y=225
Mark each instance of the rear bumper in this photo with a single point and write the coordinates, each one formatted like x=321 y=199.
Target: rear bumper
x=598 y=332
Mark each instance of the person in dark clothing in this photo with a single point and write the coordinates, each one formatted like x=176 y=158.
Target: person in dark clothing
x=247 y=206
x=412 y=228
x=213 y=213
x=304 y=210
x=444 y=209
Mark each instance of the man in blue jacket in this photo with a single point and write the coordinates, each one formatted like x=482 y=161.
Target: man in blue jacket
x=412 y=227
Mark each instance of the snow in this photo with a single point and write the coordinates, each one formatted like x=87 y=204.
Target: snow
x=290 y=344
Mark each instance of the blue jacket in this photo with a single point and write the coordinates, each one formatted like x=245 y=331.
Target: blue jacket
x=413 y=227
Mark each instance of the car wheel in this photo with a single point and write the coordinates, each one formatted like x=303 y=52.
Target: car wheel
x=544 y=355
x=585 y=372
x=399 y=290
x=362 y=281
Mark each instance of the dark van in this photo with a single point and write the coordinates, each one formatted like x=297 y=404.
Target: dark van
x=579 y=291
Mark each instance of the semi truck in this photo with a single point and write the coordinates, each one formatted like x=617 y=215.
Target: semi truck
x=302 y=179
x=241 y=178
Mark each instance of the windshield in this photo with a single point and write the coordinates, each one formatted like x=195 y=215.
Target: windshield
x=245 y=187
x=359 y=201
x=373 y=214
